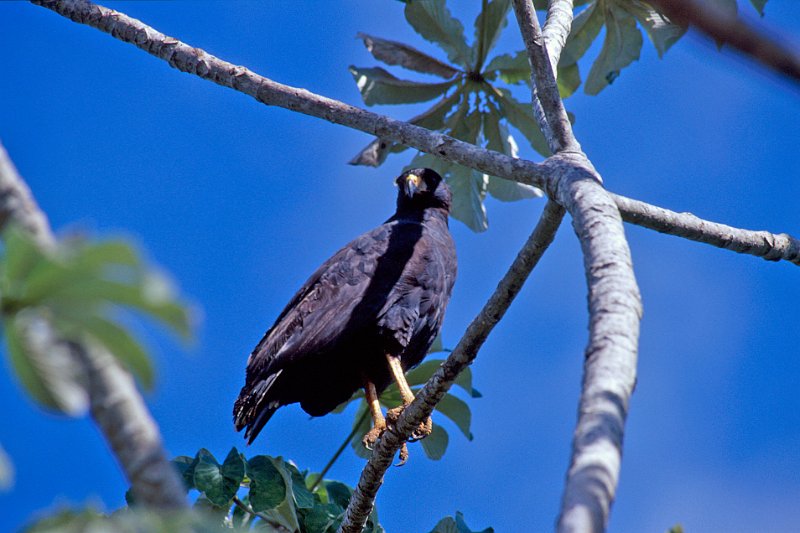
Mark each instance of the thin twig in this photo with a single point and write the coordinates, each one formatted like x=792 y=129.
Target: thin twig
x=727 y=28
x=340 y=450
x=116 y=405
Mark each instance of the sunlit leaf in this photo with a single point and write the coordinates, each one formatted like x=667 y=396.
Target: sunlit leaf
x=376 y=152
x=458 y=411
x=489 y=25
x=469 y=190
x=433 y=21
x=585 y=29
x=500 y=140
x=521 y=117
x=622 y=44
x=662 y=32
x=569 y=79
x=435 y=444
x=377 y=86
x=395 y=53
x=512 y=69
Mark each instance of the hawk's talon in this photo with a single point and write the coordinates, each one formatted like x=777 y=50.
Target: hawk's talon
x=425 y=427
x=403 y=455
x=371 y=436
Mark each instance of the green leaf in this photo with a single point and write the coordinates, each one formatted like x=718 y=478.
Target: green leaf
x=662 y=32
x=585 y=29
x=511 y=69
x=117 y=341
x=569 y=79
x=469 y=190
x=338 y=493
x=361 y=427
x=303 y=498
x=321 y=518
x=433 y=21
x=435 y=444
x=6 y=471
x=219 y=483
x=99 y=255
x=521 y=117
x=21 y=254
x=395 y=53
x=759 y=5
x=458 y=411
x=376 y=152
x=489 y=25
x=267 y=486
x=498 y=139
x=456 y=525
x=621 y=47
x=45 y=368
x=185 y=466
x=377 y=86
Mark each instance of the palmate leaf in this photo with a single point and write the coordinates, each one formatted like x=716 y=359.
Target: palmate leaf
x=52 y=298
x=662 y=32
x=375 y=153
x=395 y=53
x=512 y=69
x=433 y=21
x=622 y=44
x=521 y=117
x=377 y=86
x=500 y=140
x=489 y=24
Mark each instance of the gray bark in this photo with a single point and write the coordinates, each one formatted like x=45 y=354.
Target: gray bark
x=116 y=405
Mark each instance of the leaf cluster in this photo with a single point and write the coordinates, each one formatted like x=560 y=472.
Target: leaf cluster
x=275 y=495
x=469 y=107
x=52 y=299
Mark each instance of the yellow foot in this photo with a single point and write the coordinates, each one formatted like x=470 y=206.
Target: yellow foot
x=421 y=432
x=372 y=435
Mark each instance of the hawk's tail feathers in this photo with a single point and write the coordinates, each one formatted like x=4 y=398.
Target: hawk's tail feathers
x=255 y=407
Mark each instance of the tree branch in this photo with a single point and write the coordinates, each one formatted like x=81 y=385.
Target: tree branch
x=544 y=89
x=556 y=28
x=770 y=246
x=462 y=356
x=614 y=306
x=116 y=405
x=569 y=180
x=729 y=29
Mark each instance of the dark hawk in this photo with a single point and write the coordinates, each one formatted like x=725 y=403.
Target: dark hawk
x=367 y=315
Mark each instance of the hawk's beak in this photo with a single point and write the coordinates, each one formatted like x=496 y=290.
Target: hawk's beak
x=411 y=184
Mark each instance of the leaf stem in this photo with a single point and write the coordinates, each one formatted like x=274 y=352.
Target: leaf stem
x=339 y=451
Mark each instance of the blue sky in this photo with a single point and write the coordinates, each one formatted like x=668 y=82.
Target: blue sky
x=240 y=202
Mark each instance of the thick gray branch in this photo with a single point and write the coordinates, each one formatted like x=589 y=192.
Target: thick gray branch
x=556 y=29
x=543 y=81
x=614 y=306
x=732 y=30
x=770 y=246
x=116 y=405
x=462 y=356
